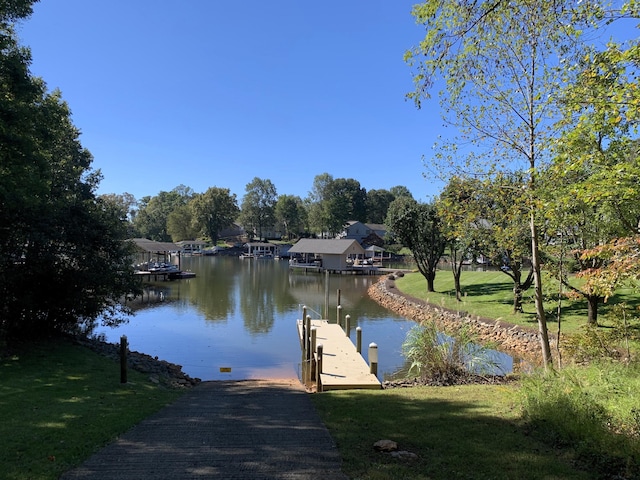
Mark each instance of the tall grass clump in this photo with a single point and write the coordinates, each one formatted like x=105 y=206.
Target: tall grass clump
x=435 y=356
x=594 y=409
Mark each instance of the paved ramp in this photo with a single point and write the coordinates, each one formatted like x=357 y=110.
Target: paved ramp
x=232 y=430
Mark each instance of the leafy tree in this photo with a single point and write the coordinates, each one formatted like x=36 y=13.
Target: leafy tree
x=153 y=214
x=213 y=211
x=400 y=191
x=378 y=202
x=459 y=208
x=316 y=203
x=258 y=206
x=180 y=223
x=63 y=258
x=290 y=213
x=502 y=64
x=419 y=228
x=345 y=201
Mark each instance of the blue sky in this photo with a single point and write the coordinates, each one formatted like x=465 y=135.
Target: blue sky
x=214 y=93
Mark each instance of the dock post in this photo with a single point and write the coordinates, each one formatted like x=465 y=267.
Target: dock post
x=307 y=338
x=359 y=340
x=339 y=315
x=339 y=295
x=319 y=369
x=304 y=329
x=373 y=358
x=314 y=336
x=347 y=324
x=123 y=359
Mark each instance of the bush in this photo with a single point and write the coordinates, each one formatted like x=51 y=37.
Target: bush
x=593 y=409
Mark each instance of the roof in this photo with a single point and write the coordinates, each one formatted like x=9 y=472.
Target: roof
x=147 y=245
x=330 y=247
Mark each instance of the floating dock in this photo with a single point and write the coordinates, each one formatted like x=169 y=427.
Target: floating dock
x=341 y=366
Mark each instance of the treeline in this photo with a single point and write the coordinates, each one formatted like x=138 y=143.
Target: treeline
x=182 y=214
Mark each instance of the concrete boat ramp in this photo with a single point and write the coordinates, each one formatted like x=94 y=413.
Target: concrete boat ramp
x=331 y=361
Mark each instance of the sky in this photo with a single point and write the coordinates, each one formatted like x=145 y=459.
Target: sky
x=213 y=93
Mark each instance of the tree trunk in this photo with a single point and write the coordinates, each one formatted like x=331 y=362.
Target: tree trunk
x=517 y=298
x=537 y=280
x=456 y=281
x=592 y=309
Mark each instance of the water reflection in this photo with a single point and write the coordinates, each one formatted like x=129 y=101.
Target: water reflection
x=241 y=315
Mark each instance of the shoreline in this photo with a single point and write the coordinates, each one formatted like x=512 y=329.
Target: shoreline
x=520 y=342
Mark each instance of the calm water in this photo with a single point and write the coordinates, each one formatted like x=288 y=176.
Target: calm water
x=241 y=315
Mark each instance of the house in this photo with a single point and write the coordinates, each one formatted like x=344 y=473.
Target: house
x=260 y=250
x=191 y=246
x=360 y=231
x=330 y=254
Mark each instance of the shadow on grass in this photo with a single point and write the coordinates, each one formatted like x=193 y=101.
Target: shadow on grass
x=452 y=438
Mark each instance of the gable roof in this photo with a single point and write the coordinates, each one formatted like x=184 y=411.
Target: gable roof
x=151 y=246
x=327 y=246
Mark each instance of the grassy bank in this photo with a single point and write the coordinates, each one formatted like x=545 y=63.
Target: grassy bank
x=465 y=432
x=60 y=402
x=490 y=295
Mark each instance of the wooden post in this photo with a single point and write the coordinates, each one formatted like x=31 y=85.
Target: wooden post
x=319 y=369
x=359 y=340
x=314 y=336
x=123 y=359
x=339 y=315
x=373 y=358
x=307 y=338
x=304 y=330
x=347 y=324
x=339 y=295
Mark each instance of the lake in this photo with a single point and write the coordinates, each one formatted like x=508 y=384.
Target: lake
x=240 y=315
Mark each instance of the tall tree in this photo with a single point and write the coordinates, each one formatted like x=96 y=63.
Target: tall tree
x=378 y=202
x=258 y=206
x=316 y=203
x=54 y=231
x=290 y=214
x=502 y=65
x=418 y=227
x=346 y=200
x=213 y=211
x=153 y=214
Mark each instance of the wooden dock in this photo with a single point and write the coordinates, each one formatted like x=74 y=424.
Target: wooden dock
x=342 y=367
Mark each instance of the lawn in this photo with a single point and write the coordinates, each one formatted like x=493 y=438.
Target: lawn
x=61 y=402
x=489 y=294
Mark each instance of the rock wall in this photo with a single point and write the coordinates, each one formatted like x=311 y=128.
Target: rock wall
x=520 y=342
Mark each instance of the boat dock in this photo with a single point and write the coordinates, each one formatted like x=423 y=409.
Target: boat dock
x=331 y=360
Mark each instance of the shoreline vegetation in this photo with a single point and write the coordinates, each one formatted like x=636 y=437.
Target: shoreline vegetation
x=63 y=403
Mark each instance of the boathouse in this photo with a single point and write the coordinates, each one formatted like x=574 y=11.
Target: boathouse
x=335 y=255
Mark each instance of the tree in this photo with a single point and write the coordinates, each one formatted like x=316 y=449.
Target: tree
x=418 y=227
x=290 y=214
x=258 y=206
x=180 y=223
x=502 y=63
x=346 y=200
x=213 y=211
x=54 y=231
x=153 y=214
x=378 y=202
x=459 y=208
x=316 y=203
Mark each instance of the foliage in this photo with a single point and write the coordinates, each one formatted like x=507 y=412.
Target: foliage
x=153 y=213
x=63 y=258
x=291 y=214
x=436 y=356
x=418 y=227
x=612 y=342
x=378 y=202
x=258 y=207
x=213 y=211
x=593 y=410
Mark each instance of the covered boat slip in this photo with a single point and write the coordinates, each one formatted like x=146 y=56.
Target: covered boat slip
x=335 y=255
x=154 y=260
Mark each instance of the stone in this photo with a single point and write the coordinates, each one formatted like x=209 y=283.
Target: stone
x=404 y=455
x=385 y=446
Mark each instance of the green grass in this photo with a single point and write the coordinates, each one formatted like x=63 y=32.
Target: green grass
x=489 y=294
x=464 y=432
x=61 y=402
